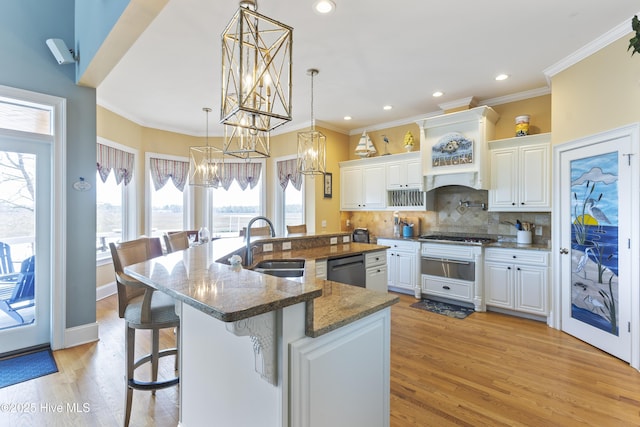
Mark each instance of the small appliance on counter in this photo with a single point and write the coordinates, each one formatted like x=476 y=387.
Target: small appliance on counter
x=360 y=235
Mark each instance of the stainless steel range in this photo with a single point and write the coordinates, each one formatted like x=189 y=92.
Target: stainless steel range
x=452 y=268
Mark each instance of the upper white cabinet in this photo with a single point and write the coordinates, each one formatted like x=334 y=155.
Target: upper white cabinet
x=363 y=187
x=454 y=148
x=520 y=174
x=405 y=172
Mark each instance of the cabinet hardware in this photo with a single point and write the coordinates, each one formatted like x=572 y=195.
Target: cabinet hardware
x=564 y=251
x=446 y=287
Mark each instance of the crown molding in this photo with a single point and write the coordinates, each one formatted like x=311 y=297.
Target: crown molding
x=470 y=102
x=589 y=49
x=520 y=96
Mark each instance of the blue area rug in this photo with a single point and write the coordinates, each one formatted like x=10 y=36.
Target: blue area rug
x=446 y=309
x=26 y=367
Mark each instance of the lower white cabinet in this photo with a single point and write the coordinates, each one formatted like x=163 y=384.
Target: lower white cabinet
x=342 y=378
x=376 y=271
x=517 y=279
x=403 y=263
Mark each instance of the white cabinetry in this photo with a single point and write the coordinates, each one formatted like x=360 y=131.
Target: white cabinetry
x=342 y=378
x=405 y=172
x=520 y=174
x=517 y=279
x=375 y=264
x=362 y=187
x=403 y=264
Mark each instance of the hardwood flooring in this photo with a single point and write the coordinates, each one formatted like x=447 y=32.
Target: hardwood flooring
x=486 y=370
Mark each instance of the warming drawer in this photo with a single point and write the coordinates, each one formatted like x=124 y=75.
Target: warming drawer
x=449 y=288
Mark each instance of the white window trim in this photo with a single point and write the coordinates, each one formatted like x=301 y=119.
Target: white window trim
x=59 y=207
x=129 y=220
x=279 y=196
x=187 y=209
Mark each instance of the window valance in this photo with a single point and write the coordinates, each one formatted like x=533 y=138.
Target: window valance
x=163 y=169
x=245 y=174
x=288 y=172
x=119 y=161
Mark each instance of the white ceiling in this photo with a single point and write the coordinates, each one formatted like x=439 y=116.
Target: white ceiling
x=369 y=52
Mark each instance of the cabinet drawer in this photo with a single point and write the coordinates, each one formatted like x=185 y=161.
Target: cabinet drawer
x=401 y=245
x=517 y=256
x=456 y=289
x=373 y=259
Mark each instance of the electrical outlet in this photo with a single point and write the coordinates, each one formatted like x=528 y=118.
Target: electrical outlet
x=286 y=246
x=348 y=223
x=345 y=239
x=333 y=241
x=324 y=223
x=538 y=230
x=267 y=247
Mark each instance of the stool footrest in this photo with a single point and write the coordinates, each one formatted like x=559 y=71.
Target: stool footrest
x=161 y=353
x=152 y=385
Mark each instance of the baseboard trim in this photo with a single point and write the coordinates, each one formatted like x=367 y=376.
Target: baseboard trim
x=106 y=290
x=81 y=335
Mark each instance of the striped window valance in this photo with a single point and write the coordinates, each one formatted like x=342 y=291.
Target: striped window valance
x=163 y=169
x=245 y=174
x=119 y=161
x=288 y=172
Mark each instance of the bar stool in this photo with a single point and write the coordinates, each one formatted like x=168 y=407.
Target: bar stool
x=142 y=308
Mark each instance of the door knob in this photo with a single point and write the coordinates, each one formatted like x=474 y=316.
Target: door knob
x=564 y=251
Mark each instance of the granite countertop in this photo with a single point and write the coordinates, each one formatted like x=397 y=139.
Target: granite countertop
x=194 y=277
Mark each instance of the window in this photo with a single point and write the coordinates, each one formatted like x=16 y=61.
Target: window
x=115 y=192
x=289 y=194
x=234 y=207
x=166 y=197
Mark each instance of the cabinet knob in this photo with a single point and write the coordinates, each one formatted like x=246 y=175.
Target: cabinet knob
x=518 y=268
x=508 y=268
x=522 y=203
x=513 y=203
x=514 y=257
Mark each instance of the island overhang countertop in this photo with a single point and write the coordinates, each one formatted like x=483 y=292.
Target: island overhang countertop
x=229 y=294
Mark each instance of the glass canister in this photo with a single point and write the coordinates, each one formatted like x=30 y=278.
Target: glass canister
x=522 y=125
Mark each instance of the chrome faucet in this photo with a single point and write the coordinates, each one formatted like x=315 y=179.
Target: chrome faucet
x=249 y=258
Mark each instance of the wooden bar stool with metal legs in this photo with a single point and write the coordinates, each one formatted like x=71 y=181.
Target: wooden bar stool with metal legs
x=142 y=308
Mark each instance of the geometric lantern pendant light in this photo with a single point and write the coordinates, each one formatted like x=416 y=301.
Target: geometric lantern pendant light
x=205 y=163
x=256 y=72
x=312 y=145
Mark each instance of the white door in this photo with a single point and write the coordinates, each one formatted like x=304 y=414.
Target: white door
x=597 y=205
x=25 y=228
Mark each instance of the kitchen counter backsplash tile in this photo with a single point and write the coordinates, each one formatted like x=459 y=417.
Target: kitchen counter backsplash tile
x=450 y=217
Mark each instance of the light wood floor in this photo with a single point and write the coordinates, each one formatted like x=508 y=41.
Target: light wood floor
x=486 y=370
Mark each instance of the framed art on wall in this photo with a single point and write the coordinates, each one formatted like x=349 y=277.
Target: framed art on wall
x=328 y=183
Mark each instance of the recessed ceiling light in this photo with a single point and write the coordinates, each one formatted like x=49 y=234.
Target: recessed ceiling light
x=324 y=7
x=347 y=117
x=437 y=94
x=501 y=77
x=387 y=107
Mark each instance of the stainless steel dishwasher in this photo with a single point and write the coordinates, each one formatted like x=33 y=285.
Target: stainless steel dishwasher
x=349 y=269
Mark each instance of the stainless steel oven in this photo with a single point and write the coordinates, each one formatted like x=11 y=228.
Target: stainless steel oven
x=449 y=268
x=453 y=271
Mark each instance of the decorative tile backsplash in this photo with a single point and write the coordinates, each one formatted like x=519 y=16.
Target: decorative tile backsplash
x=450 y=217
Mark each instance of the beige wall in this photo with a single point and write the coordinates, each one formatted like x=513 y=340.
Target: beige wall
x=599 y=93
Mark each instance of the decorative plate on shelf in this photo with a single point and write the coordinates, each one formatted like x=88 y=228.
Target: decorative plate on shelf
x=451 y=149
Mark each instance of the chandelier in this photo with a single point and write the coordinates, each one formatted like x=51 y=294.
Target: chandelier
x=256 y=73
x=205 y=163
x=312 y=144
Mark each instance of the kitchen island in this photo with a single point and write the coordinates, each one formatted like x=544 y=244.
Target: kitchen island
x=268 y=351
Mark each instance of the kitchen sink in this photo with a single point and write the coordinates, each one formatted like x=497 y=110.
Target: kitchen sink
x=281 y=267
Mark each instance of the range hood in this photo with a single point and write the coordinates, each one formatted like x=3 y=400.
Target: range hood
x=454 y=148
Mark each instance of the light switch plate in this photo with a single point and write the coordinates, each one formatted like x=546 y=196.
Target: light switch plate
x=334 y=240
x=267 y=247
x=286 y=246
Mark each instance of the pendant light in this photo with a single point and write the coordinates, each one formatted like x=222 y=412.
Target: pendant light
x=256 y=73
x=312 y=145
x=205 y=163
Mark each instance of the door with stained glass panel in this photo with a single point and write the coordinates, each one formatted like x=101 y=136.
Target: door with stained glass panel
x=596 y=221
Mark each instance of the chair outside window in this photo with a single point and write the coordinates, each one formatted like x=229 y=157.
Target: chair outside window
x=6 y=264
x=297 y=229
x=17 y=290
x=142 y=308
